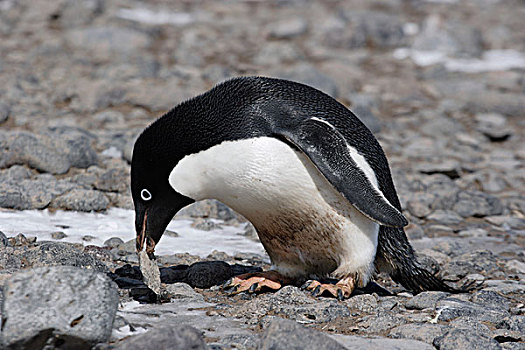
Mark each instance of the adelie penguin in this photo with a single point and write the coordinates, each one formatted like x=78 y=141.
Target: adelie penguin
x=300 y=166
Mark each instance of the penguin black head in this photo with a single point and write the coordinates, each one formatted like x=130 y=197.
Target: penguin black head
x=156 y=202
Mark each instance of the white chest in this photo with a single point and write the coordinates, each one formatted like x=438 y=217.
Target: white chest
x=301 y=219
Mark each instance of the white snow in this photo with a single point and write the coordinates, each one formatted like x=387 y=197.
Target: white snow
x=146 y=16
x=118 y=222
x=112 y=152
x=492 y=60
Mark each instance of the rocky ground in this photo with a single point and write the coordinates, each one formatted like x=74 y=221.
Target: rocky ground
x=80 y=79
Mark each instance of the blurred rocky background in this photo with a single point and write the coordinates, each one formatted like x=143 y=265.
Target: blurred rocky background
x=441 y=83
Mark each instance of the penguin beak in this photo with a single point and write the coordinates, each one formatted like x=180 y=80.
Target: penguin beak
x=150 y=224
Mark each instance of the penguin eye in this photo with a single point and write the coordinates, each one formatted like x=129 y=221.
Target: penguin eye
x=145 y=195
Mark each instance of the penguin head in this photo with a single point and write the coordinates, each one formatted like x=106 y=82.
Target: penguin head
x=155 y=201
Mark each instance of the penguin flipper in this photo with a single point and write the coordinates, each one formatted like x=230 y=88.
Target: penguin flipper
x=328 y=150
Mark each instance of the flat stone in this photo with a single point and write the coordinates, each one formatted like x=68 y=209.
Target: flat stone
x=464 y=339
x=168 y=337
x=65 y=306
x=448 y=167
x=183 y=291
x=113 y=242
x=81 y=200
x=49 y=254
x=285 y=334
x=355 y=342
x=477 y=204
x=425 y=332
x=37 y=152
x=451 y=308
x=445 y=217
x=425 y=300
x=289 y=28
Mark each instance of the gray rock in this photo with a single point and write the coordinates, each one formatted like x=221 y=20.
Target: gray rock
x=513 y=323
x=361 y=343
x=209 y=209
x=491 y=299
x=477 y=204
x=464 y=339
x=183 y=291
x=36 y=151
x=81 y=200
x=364 y=28
x=448 y=167
x=310 y=75
x=446 y=217
x=481 y=261
x=113 y=242
x=364 y=302
x=4 y=242
x=169 y=337
x=106 y=42
x=77 y=13
x=113 y=180
x=289 y=28
x=469 y=323
x=286 y=334
x=278 y=53
x=382 y=321
x=453 y=38
x=57 y=253
x=205 y=274
x=205 y=225
x=425 y=332
x=62 y=306
x=420 y=204
x=451 y=308
x=58 y=235
x=4 y=112
x=16 y=173
x=493 y=126
x=425 y=300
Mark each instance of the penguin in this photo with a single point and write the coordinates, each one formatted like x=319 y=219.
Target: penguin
x=300 y=166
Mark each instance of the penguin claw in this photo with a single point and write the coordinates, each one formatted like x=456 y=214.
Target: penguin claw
x=316 y=291
x=306 y=285
x=227 y=284
x=232 y=290
x=340 y=295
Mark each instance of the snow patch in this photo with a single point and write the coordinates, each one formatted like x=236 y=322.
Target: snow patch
x=492 y=60
x=117 y=222
x=146 y=16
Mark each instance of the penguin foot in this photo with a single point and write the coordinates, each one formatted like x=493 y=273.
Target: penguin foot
x=255 y=282
x=341 y=290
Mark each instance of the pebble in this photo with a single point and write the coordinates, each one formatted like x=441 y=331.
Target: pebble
x=285 y=334
x=58 y=235
x=170 y=337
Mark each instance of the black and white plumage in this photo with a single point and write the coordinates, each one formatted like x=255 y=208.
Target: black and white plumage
x=300 y=166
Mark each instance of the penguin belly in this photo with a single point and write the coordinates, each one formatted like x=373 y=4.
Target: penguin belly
x=307 y=227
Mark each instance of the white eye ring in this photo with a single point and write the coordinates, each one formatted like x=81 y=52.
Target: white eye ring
x=145 y=195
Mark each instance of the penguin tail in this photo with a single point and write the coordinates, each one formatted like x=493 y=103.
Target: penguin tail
x=396 y=256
